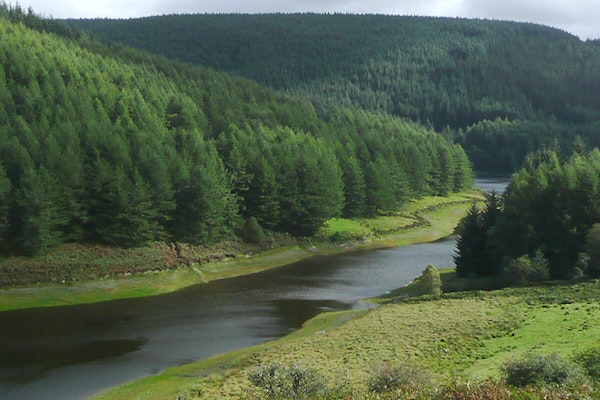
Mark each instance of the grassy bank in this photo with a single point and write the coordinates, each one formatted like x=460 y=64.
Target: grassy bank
x=79 y=274
x=465 y=336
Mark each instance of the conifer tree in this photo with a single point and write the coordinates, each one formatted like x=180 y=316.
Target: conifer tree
x=42 y=216
x=470 y=256
x=354 y=189
x=5 y=198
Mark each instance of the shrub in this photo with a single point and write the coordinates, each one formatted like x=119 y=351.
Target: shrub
x=253 y=233
x=524 y=270
x=487 y=390
x=493 y=390
x=276 y=381
x=589 y=360
x=431 y=282
x=540 y=368
x=385 y=378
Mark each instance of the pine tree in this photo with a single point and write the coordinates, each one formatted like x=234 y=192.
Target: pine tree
x=5 y=199
x=354 y=189
x=380 y=189
x=262 y=195
x=42 y=216
x=470 y=256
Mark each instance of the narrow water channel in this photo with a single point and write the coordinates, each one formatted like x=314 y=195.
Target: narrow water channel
x=75 y=352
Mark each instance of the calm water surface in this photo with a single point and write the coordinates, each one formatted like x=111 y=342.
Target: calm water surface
x=75 y=352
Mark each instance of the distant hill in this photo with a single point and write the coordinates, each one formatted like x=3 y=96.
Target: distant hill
x=108 y=145
x=449 y=73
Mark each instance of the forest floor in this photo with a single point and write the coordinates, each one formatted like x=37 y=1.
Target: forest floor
x=76 y=274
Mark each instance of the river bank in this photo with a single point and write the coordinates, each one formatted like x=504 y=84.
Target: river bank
x=460 y=337
x=424 y=220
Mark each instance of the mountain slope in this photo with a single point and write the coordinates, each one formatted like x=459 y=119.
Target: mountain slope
x=451 y=73
x=409 y=64
x=115 y=146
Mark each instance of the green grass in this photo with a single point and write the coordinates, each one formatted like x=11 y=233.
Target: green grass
x=462 y=335
x=345 y=229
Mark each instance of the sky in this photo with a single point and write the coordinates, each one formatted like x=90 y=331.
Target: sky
x=579 y=17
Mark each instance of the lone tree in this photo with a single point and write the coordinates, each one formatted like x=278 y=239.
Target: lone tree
x=431 y=281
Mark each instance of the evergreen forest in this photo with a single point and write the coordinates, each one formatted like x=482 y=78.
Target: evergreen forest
x=110 y=145
x=500 y=89
x=545 y=226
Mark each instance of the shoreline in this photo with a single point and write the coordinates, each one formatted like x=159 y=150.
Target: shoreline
x=441 y=215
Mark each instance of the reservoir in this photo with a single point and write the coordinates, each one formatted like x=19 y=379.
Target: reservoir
x=78 y=351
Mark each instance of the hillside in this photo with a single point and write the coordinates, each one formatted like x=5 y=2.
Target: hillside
x=539 y=83
x=118 y=147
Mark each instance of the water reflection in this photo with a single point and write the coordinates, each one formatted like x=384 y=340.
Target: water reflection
x=21 y=365
x=295 y=312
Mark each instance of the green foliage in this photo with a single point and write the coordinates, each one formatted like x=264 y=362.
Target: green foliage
x=41 y=212
x=502 y=89
x=278 y=382
x=387 y=378
x=550 y=206
x=430 y=281
x=5 y=188
x=592 y=248
x=133 y=148
x=589 y=360
x=470 y=257
x=487 y=390
x=548 y=211
x=535 y=368
x=254 y=233
x=525 y=270
x=475 y=252
x=306 y=54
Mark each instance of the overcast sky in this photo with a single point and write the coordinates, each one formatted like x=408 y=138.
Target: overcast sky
x=580 y=17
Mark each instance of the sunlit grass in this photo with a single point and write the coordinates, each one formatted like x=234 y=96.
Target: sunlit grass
x=467 y=336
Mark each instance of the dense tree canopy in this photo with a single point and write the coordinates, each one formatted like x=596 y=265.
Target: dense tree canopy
x=503 y=89
x=548 y=209
x=110 y=145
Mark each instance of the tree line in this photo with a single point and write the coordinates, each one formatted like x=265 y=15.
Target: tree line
x=102 y=144
x=487 y=84
x=545 y=224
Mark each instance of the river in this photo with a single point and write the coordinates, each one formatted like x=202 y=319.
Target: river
x=77 y=351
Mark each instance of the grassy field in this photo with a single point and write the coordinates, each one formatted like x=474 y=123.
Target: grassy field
x=465 y=336
x=159 y=270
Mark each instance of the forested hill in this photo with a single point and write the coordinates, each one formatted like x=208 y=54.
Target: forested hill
x=446 y=72
x=119 y=147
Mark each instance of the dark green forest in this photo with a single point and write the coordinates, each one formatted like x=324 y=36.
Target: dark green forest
x=110 y=145
x=546 y=225
x=500 y=89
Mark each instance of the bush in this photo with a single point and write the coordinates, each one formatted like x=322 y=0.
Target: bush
x=487 y=390
x=276 y=381
x=385 y=378
x=493 y=390
x=253 y=233
x=589 y=360
x=524 y=270
x=534 y=369
x=431 y=282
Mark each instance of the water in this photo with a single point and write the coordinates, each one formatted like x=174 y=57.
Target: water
x=492 y=184
x=75 y=352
